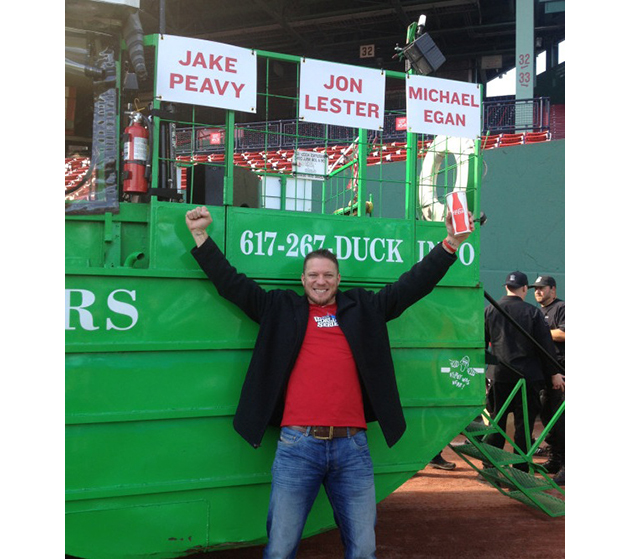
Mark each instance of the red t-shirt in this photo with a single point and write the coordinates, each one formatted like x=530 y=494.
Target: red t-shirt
x=324 y=385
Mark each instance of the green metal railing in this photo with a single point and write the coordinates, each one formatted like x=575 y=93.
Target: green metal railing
x=535 y=488
x=358 y=185
x=187 y=139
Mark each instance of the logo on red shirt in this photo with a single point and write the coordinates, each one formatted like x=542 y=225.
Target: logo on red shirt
x=329 y=321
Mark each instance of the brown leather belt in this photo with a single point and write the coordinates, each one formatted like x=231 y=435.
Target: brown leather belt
x=326 y=433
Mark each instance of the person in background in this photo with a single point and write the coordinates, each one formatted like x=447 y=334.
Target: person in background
x=518 y=358
x=553 y=310
x=440 y=463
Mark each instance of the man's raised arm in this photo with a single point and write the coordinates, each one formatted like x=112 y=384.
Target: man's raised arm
x=198 y=221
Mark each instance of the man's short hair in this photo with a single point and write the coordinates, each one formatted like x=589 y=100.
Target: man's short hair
x=513 y=289
x=321 y=253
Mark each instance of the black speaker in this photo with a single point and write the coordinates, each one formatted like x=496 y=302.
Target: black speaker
x=423 y=55
x=206 y=186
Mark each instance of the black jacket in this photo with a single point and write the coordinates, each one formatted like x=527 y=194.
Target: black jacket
x=554 y=316
x=283 y=316
x=512 y=347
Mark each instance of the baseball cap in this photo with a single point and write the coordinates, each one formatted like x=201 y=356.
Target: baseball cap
x=516 y=279
x=542 y=281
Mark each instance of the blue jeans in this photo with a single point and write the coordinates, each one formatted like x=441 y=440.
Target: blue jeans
x=302 y=464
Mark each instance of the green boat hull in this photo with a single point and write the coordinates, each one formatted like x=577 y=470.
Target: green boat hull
x=156 y=360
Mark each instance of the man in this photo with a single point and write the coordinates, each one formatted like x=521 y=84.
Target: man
x=518 y=357
x=553 y=310
x=321 y=369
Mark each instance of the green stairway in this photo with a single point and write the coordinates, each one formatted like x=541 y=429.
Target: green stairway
x=497 y=464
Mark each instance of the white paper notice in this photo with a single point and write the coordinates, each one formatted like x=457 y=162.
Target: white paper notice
x=448 y=107
x=206 y=73
x=342 y=95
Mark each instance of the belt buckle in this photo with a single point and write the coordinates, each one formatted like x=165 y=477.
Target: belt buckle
x=324 y=438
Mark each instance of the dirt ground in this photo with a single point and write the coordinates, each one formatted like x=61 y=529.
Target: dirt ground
x=441 y=514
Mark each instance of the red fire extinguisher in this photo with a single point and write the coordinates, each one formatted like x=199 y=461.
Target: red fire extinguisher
x=135 y=156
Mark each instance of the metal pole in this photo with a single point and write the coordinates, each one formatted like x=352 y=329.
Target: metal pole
x=162 y=17
x=362 y=150
x=525 y=63
x=411 y=179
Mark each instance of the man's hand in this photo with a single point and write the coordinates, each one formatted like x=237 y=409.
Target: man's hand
x=197 y=221
x=557 y=382
x=453 y=241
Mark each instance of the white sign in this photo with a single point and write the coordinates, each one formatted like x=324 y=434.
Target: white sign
x=342 y=95
x=206 y=73
x=437 y=106
x=310 y=164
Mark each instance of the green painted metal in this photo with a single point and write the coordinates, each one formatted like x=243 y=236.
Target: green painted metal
x=411 y=170
x=534 y=488
x=156 y=359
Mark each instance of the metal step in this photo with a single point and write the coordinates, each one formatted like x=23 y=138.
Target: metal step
x=505 y=477
x=478 y=429
x=527 y=488
x=549 y=504
x=498 y=456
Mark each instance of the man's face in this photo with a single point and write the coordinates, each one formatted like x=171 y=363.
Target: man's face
x=320 y=280
x=545 y=294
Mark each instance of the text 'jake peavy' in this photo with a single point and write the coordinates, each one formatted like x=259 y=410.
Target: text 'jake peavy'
x=211 y=86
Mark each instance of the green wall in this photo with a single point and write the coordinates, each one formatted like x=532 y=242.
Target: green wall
x=522 y=194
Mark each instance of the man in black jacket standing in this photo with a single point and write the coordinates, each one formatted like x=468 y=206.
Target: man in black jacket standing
x=518 y=358
x=321 y=369
x=553 y=309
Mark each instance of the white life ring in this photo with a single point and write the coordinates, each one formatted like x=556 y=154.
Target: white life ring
x=461 y=149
